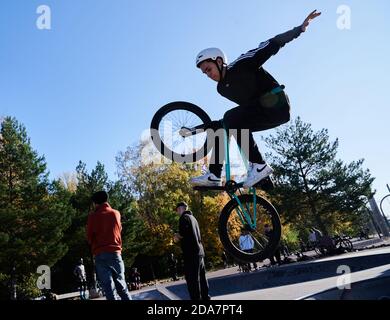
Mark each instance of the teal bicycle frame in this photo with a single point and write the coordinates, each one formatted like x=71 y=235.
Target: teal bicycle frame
x=242 y=212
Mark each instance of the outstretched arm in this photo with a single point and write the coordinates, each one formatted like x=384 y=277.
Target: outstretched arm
x=269 y=48
x=281 y=39
x=288 y=36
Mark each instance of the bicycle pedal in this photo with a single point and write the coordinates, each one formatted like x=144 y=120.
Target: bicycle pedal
x=266 y=184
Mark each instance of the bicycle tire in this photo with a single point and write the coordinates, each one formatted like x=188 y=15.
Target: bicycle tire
x=228 y=229
x=318 y=250
x=167 y=150
x=350 y=245
x=344 y=244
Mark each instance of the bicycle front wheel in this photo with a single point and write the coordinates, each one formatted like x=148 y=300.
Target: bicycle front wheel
x=232 y=222
x=177 y=131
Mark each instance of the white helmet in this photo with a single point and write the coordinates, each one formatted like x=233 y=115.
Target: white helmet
x=210 y=53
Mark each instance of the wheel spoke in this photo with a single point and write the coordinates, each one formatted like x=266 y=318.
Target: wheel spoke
x=235 y=220
x=172 y=123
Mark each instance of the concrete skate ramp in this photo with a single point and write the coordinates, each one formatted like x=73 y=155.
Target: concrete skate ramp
x=152 y=294
x=288 y=274
x=372 y=289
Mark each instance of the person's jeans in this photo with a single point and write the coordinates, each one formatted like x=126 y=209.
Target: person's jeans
x=110 y=271
x=82 y=288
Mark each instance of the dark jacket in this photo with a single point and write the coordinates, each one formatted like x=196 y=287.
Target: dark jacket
x=246 y=81
x=191 y=242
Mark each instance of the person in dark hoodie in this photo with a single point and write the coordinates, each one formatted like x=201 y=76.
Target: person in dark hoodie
x=193 y=253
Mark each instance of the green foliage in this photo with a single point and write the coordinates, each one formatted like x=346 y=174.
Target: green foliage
x=75 y=237
x=4 y=286
x=290 y=237
x=312 y=185
x=33 y=213
x=23 y=176
x=44 y=222
x=157 y=188
x=27 y=288
x=208 y=217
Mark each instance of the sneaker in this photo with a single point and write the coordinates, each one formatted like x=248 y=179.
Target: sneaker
x=207 y=180
x=256 y=173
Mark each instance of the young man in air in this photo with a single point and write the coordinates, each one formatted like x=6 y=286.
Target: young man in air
x=262 y=103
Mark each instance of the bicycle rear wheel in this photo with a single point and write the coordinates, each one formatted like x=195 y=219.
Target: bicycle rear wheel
x=230 y=228
x=168 y=125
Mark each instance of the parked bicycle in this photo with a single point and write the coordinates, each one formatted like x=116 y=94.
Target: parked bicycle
x=331 y=245
x=179 y=132
x=343 y=243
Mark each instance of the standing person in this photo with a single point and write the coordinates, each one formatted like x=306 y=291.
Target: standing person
x=135 y=279
x=262 y=102
x=268 y=231
x=224 y=260
x=312 y=239
x=79 y=272
x=193 y=253
x=247 y=244
x=318 y=234
x=104 y=235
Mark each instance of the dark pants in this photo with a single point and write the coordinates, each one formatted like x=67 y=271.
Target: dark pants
x=82 y=285
x=195 y=275
x=254 y=263
x=272 y=111
x=277 y=256
x=173 y=272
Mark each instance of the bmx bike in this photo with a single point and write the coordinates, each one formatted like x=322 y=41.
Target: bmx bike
x=180 y=131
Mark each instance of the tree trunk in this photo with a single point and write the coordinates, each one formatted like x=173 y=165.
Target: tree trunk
x=10 y=186
x=311 y=202
x=13 y=294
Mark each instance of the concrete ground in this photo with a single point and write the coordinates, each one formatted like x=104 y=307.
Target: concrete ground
x=367 y=271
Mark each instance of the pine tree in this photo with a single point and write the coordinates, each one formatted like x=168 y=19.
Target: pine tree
x=33 y=212
x=314 y=187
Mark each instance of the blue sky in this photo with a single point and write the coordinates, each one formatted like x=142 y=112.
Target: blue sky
x=88 y=87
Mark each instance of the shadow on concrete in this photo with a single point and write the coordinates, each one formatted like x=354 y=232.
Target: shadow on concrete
x=285 y=275
x=377 y=288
